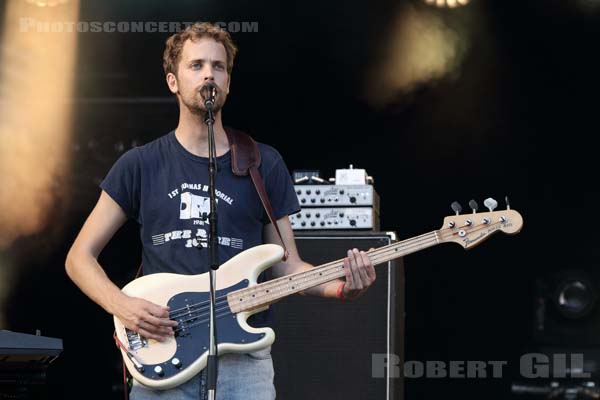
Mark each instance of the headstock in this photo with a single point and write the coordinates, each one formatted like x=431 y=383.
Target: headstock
x=469 y=230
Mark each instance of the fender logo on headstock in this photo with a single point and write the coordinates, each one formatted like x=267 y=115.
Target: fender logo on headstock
x=469 y=240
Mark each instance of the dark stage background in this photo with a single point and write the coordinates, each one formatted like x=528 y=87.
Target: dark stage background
x=515 y=116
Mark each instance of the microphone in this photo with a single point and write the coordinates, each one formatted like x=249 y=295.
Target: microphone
x=209 y=94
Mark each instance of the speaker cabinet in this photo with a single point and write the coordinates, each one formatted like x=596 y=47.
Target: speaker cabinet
x=325 y=347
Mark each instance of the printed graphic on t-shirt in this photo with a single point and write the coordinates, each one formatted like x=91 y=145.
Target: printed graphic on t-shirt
x=195 y=208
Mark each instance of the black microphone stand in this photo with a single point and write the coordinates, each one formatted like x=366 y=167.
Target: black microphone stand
x=212 y=364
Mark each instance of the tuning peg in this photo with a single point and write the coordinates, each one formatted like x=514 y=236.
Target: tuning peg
x=456 y=207
x=507 y=202
x=490 y=203
x=473 y=205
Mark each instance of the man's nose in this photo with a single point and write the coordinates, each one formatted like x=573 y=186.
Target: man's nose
x=208 y=73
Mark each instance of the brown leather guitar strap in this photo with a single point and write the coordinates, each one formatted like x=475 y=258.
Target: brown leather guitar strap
x=245 y=160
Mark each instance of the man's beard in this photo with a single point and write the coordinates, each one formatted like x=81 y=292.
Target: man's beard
x=196 y=104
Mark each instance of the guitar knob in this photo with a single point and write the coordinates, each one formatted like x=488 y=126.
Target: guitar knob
x=456 y=207
x=158 y=370
x=176 y=363
x=473 y=205
x=490 y=203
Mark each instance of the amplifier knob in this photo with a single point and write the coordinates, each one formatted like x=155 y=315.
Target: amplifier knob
x=322 y=223
x=352 y=199
x=352 y=222
x=318 y=215
x=312 y=223
x=308 y=215
x=317 y=191
x=313 y=200
x=322 y=200
x=308 y=191
x=303 y=223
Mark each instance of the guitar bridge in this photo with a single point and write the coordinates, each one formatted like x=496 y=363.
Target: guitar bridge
x=135 y=341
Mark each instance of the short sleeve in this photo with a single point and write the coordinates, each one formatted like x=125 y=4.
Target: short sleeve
x=280 y=189
x=122 y=183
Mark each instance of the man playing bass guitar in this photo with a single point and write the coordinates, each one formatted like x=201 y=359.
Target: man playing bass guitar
x=163 y=186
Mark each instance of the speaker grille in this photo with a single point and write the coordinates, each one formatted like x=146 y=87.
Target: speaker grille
x=324 y=347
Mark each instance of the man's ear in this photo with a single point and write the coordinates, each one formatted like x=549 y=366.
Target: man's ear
x=172 y=83
x=228 y=82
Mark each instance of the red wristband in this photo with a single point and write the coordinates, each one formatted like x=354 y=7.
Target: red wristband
x=340 y=291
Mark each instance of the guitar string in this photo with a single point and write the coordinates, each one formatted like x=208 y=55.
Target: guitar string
x=376 y=255
x=321 y=268
x=230 y=312
x=194 y=317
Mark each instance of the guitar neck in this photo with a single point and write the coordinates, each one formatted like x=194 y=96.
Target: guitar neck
x=269 y=292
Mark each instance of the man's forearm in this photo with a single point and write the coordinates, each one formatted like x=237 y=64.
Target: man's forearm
x=328 y=289
x=89 y=276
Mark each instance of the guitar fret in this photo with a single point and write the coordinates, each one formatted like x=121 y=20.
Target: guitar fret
x=268 y=292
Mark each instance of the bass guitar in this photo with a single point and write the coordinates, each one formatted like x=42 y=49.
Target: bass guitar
x=163 y=365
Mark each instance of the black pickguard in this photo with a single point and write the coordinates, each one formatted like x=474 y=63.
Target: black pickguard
x=192 y=333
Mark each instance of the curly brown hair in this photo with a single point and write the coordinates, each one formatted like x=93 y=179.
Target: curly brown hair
x=174 y=44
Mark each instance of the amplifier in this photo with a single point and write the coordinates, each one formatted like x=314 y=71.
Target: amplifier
x=324 y=347
x=346 y=218
x=337 y=196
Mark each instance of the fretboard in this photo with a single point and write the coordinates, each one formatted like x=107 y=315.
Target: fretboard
x=273 y=290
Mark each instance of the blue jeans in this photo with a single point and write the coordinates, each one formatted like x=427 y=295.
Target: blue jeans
x=240 y=377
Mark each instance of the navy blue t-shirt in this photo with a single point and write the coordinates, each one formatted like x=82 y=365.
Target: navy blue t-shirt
x=164 y=188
